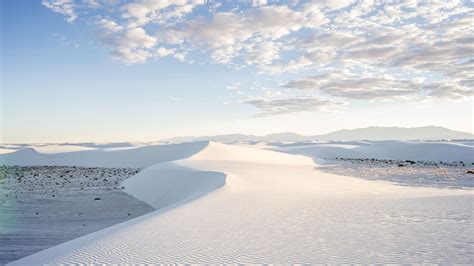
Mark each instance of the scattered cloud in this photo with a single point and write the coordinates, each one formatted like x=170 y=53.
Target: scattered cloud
x=369 y=50
x=259 y=2
x=292 y=105
x=64 y=7
x=143 y=12
x=383 y=87
x=109 y=25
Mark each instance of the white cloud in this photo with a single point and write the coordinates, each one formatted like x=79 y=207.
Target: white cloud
x=161 y=52
x=64 y=7
x=143 y=12
x=331 y=4
x=137 y=38
x=254 y=34
x=133 y=45
x=92 y=3
x=292 y=105
x=360 y=87
x=259 y=2
x=109 y=25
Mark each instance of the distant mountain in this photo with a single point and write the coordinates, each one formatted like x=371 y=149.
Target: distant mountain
x=285 y=137
x=396 y=133
x=368 y=133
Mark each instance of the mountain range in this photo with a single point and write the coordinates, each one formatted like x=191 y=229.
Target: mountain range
x=368 y=133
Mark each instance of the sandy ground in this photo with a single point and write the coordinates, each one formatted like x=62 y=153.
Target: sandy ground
x=43 y=206
x=259 y=206
x=457 y=175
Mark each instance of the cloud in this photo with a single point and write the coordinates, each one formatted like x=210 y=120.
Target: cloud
x=360 y=87
x=259 y=2
x=64 y=7
x=133 y=45
x=331 y=4
x=339 y=84
x=253 y=34
x=292 y=105
x=449 y=91
x=109 y=25
x=142 y=12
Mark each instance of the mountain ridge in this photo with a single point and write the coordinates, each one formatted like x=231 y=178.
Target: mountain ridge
x=373 y=133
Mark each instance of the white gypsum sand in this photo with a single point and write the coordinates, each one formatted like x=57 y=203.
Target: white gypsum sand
x=259 y=206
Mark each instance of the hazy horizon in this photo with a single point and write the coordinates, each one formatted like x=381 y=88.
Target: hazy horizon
x=257 y=135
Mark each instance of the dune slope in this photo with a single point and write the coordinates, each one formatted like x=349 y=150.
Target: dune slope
x=402 y=150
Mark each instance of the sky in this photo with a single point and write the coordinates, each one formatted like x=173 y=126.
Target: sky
x=144 y=70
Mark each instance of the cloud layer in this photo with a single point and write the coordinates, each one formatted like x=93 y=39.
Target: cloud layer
x=348 y=49
x=292 y=105
x=380 y=87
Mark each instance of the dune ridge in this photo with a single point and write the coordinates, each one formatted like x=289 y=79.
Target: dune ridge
x=137 y=157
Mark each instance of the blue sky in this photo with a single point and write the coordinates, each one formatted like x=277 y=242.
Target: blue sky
x=143 y=70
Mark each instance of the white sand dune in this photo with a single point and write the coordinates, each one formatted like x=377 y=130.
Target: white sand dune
x=163 y=185
x=5 y=151
x=402 y=150
x=102 y=145
x=52 y=149
x=108 y=156
x=262 y=206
